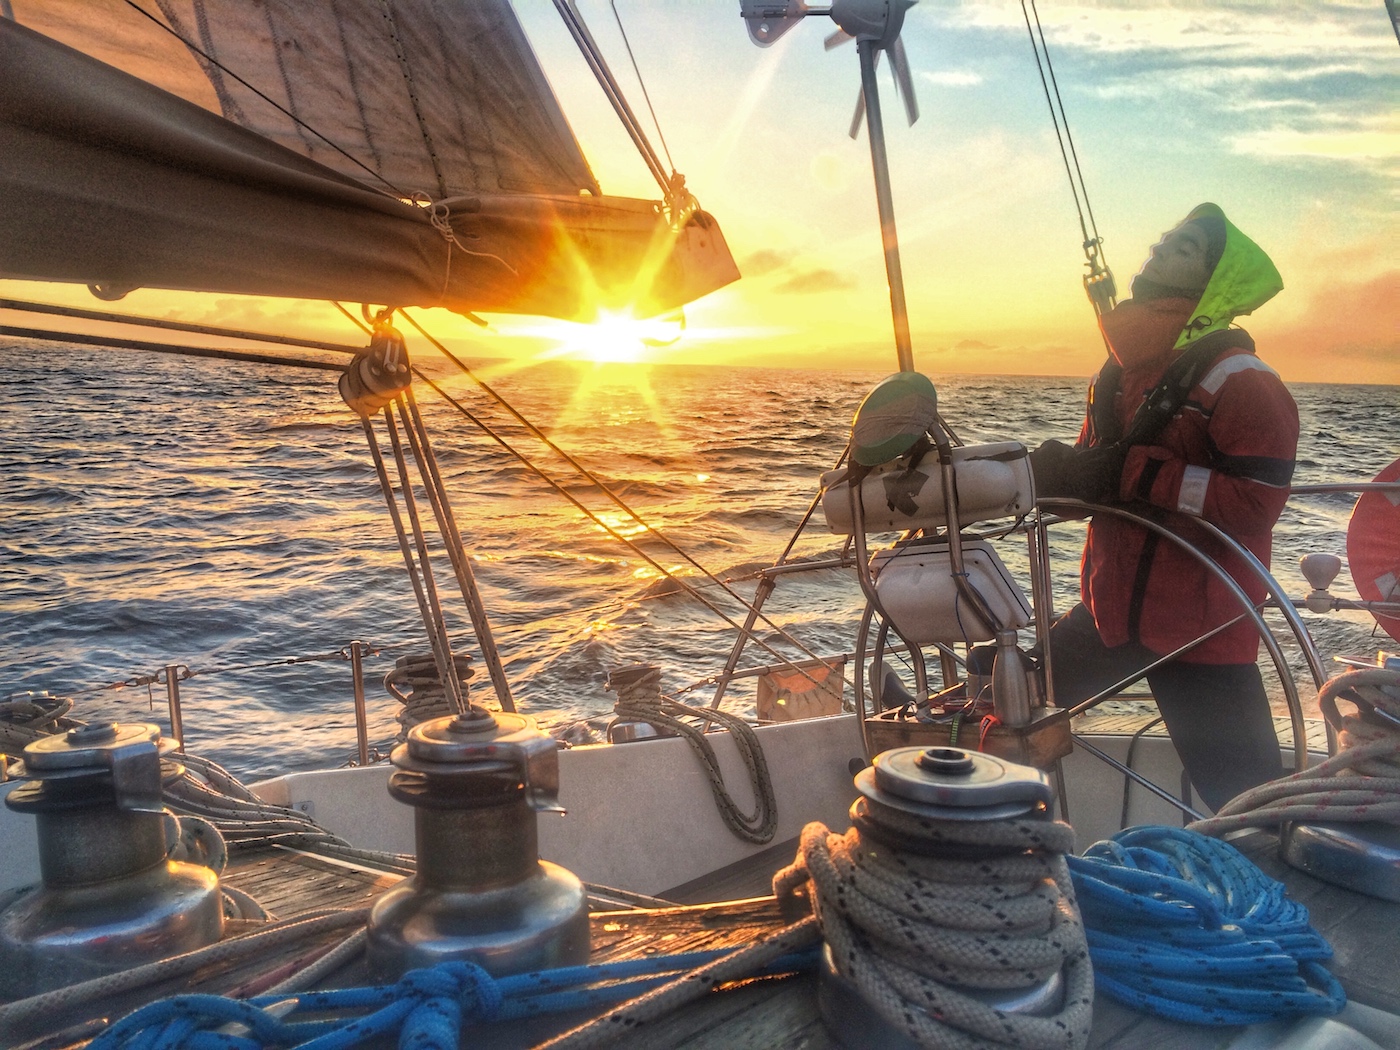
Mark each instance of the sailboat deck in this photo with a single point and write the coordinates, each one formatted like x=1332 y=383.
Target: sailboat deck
x=775 y=1014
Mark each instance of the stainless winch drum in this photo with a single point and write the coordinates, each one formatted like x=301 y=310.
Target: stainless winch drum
x=111 y=899
x=940 y=783
x=481 y=893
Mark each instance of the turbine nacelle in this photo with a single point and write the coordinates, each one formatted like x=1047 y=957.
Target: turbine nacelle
x=874 y=22
x=878 y=21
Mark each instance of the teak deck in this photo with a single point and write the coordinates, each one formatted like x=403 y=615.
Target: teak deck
x=766 y=1014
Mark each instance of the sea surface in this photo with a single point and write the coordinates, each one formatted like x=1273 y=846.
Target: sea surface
x=226 y=518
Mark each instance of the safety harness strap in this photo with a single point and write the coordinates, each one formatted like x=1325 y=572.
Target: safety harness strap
x=1166 y=398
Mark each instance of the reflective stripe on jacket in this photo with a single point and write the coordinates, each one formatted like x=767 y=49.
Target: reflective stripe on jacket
x=1227 y=456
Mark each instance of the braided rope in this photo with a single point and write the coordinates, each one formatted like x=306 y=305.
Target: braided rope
x=1359 y=783
x=768 y=953
x=1186 y=927
x=271 y=936
x=25 y=721
x=208 y=790
x=639 y=698
x=414 y=682
x=428 y=1007
x=914 y=932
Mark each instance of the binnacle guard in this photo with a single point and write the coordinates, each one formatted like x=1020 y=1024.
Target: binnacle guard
x=994 y=481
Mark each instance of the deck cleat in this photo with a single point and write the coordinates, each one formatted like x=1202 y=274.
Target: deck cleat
x=111 y=899
x=481 y=892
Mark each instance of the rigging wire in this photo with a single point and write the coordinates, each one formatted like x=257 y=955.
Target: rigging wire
x=26 y=306
x=645 y=93
x=612 y=496
x=1064 y=118
x=592 y=55
x=109 y=342
x=588 y=512
x=396 y=192
x=1093 y=245
x=619 y=537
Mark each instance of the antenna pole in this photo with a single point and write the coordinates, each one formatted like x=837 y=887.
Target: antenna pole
x=880 y=163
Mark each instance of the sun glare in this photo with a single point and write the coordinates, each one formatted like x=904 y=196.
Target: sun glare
x=614 y=338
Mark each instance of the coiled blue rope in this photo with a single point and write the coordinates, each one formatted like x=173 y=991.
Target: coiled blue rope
x=427 y=1007
x=1186 y=927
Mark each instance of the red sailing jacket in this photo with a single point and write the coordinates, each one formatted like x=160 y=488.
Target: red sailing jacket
x=1226 y=456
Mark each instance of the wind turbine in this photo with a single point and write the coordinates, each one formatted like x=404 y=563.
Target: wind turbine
x=875 y=27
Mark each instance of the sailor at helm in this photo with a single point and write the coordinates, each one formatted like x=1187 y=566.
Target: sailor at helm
x=1185 y=418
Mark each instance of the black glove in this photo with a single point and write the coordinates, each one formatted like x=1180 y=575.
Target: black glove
x=1089 y=474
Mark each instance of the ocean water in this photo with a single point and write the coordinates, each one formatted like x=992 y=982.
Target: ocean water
x=226 y=517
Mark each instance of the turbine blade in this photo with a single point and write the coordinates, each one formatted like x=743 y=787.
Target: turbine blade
x=904 y=80
x=837 y=38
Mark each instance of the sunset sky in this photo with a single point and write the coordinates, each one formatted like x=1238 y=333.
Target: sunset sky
x=1287 y=114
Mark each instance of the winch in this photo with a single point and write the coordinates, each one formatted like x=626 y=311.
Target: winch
x=948 y=792
x=481 y=892
x=111 y=899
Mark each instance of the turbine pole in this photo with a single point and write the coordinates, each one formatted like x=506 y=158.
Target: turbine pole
x=876 y=127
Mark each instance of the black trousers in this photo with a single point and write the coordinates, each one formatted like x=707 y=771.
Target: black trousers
x=1217 y=714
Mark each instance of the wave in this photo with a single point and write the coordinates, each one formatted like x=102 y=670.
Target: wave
x=217 y=518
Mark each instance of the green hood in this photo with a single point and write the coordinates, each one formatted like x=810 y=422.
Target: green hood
x=1244 y=279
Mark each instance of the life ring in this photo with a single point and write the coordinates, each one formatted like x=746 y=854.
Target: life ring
x=1373 y=547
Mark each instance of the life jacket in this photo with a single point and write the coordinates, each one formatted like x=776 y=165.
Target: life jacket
x=1212 y=433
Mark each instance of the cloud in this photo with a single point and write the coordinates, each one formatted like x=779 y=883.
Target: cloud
x=969 y=346
x=820 y=280
x=952 y=78
x=1242 y=29
x=763 y=261
x=1357 y=144
x=1280 y=80
x=1347 y=333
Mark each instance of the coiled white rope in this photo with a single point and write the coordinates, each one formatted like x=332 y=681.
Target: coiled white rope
x=25 y=721
x=1361 y=782
x=916 y=932
x=245 y=821
x=414 y=682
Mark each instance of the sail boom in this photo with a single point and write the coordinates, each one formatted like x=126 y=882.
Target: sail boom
x=113 y=181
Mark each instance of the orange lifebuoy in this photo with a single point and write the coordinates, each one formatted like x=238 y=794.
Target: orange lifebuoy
x=1373 y=547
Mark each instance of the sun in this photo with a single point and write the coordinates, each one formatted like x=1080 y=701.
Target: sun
x=614 y=337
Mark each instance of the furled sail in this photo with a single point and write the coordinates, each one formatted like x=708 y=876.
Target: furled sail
x=387 y=151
